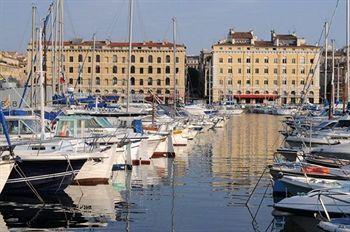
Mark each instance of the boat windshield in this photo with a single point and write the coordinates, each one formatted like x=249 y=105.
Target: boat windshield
x=17 y=127
x=104 y=122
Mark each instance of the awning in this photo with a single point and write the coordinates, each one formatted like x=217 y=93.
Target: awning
x=256 y=96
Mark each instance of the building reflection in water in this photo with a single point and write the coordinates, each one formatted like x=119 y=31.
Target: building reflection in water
x=244 y=149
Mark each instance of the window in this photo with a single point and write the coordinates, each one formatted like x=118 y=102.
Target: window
x=115 y=69
x=257 y=82
x=150 y=69
x=239 y=70
x=98 y=81
x=248 y=82
x=159 y=91
x=159 y=82
x=132 y=69
x=302 y=82
x=229 y=82
x=257 y=60
x=248 y=70
x=221 y=70
x=132 y=81
x=71 y=59
x=239 y=82
x=275 y=82
x=80 y=58
x=98 y=58
x=141 y=81
x=167 y=91
x=98 y=69
x=221 y=82
x=284 y=82
x=284 y=71
x=256 y=70
x=167 y=58
x=114 y=81
x=311 y=61
x=177 y=59
x=123 y=59
x=293 y=61
x=159 y=70
x=239 y=60
x=89 y=69
x=229 y=70
x=293 y=82
x=167 y=81
x=132 y=59
x=311 y=70
x=266 y=60
x=221 y=60
x=229 y=60
x=123 y=70
x=284 y=60
x=159 y=60
x=266 y=70
x=167 y=69
x=302 y=60
x=275 y=60
x=71 y=81
x=248 y=60
x=89 y=59
x=302 y=71
x=150 y=59
x=115 y=58
x=141 y=59
x=275 y=70
x=150 y=81
x=70 y=69
x=177 y=70
x=141 y=70
x=293 y=71
x=266 y=82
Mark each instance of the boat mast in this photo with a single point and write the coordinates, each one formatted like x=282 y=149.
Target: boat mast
x=174 y=51
x=41 y=84
x=326 y=61
x=331 y=103
x=338 y=82
x=129 y=54
x=32 y=56
x=93 y=62
x=346 y=82
x=210 y=79
x=62 y=42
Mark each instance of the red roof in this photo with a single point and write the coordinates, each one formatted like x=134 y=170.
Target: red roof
x=256 y=96
x=242 y=35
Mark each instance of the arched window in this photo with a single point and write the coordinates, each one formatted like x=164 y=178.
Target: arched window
x=150 y=81
x=114 y=81
x=105 y=91
x=167 y=59
x=159 y=82
x=115 y=69
x=132 y=91
x=239 y=92
x=275 y=92
x=159 y=91
x=256 y=92
x=141 y=81
x=132 y=81
x=167 y=91
x=115 y=91
x=132 y=59
x=150 y=59
x=167 y=81
x=167 y=69
x=150 y=69
x=311 y=92
x=132 y=69
x=141 y=91
x=71 y=81
x=97 y=91
x=98 y=69
x=115 y=59
x=292 y=93
x=98 y=81
x=266 y=92
x=159 y=60
x=98 y=58
x=247 y=92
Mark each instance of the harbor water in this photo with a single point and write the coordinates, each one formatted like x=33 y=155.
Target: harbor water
x=207 y=187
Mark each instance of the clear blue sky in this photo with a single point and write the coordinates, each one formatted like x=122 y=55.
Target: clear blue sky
x=200 y=22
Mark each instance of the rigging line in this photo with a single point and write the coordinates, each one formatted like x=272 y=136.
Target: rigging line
x=310 y=78
x=110 y=28
x=21 y=41
x=70 y=19
x=165 y=36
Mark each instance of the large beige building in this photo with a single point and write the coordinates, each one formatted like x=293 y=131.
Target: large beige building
x=152 y=68
x=12 y=65
x=257 y=71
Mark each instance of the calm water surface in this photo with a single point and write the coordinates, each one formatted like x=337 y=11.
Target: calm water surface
x=204 y=189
